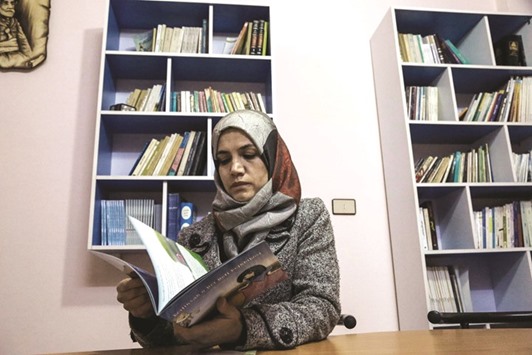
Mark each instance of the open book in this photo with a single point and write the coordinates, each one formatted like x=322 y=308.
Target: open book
x=184 y=291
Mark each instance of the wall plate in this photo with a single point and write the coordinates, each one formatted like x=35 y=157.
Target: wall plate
x=344 y=206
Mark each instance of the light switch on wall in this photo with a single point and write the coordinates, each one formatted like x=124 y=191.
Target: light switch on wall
x=344 y=206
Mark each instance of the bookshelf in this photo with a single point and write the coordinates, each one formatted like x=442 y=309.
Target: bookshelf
x=491 y=279
x=120 y=136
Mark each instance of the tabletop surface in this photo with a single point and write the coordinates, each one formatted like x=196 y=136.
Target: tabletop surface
x=444 y=341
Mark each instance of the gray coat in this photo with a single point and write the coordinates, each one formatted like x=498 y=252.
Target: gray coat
x=302 y=309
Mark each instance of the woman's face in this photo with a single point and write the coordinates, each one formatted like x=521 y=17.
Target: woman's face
x=241 y=169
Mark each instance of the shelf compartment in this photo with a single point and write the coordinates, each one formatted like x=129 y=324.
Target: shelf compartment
x=503 y=25
x=224 y=74
x=229 y=19
x=498 y=281
x=119 y=190
x=122 y=137
x=125 y=73
x=467 y=31
x=126 y=18
x=453 y=217
x=444 y=139
x=520 y=137
x=199 y=190
x=415 y=75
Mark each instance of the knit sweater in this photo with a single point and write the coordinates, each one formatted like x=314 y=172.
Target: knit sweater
x=304 y=308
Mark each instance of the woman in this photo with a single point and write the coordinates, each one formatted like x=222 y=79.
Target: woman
x=258 y=198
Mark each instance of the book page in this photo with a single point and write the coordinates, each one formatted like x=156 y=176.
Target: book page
x=172 y=273
x=194 y=262
x=239 y=279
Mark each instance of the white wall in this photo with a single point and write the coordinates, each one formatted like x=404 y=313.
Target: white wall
x=55 y=296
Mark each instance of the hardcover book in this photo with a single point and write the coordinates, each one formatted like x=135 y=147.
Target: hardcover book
x=182 y=290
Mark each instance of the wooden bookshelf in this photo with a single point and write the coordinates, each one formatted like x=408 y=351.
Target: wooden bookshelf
x=495 y=279
x=121 y=135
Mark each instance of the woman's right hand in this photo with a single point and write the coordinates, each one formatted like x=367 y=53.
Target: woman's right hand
x=134 y=297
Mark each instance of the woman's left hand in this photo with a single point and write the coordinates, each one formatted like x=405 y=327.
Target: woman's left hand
x=226 y=327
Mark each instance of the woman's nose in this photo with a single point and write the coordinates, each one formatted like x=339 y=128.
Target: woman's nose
x=236 y=167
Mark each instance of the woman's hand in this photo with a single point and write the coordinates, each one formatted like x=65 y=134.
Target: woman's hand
x=134 y=297
x=226 y=327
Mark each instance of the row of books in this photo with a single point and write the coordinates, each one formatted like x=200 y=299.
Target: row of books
x=174 y=155
x=512 y=103
x=506 y=226
x=211 y=100
x=470 y=166
x=422 y=103
x=427 y=227
x=522 y=166
x=170 y=39
x=431 y=49
x=445 y=290
x=116 y=228
x=251 y=40
x=181 y=214
x=149 y=99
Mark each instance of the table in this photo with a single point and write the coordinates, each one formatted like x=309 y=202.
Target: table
x=443 y=341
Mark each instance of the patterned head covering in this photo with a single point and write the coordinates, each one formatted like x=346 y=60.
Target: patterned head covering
x=245 y=224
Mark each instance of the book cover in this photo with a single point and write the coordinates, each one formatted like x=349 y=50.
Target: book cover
x=187 y=214
x=509 y=51
x=182 y=290
x=240 y=41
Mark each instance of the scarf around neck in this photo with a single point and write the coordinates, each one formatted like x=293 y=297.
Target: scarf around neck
x=245 y=224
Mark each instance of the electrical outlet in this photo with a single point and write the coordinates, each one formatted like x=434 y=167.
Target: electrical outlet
x=345 y=206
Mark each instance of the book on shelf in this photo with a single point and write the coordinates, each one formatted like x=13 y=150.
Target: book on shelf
x=240 y=40
x=430 y=222
x=199 y=158
x=187 y=214
x=194 y=150
x=462 y=59
x=254 y=36
x=229 y=44
x=143 y=41
x=184 y=159
x=159 y=37
x=509 y=50
x=265 y=38
x=184 y=291
x=249 y=39
x=172 y=226
x=179 y=154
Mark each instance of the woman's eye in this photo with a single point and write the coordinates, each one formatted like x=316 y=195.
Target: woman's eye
x=249 y=156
